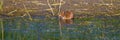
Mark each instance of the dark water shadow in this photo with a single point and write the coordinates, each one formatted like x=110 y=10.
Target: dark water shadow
x=62 y=23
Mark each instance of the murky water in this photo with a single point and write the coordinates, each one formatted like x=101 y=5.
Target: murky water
x=42 y=28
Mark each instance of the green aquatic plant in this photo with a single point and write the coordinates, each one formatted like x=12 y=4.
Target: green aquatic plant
x=2 y=27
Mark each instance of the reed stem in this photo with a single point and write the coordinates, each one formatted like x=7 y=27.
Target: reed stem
x=60 y=6
x=2 y=27
x=27 y=12
x=50 y=7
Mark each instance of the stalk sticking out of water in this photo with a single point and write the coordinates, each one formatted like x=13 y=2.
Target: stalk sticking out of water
x=27 y=12
x=59 y=19
x=60 y=6
x=50 y=7
x=2 y=29
x=60 y=28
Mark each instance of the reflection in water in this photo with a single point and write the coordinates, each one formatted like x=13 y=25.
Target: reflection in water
x=66 y=21
x=49 y=29
x=63 y=22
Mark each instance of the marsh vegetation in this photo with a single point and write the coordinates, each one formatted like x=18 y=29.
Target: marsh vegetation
x=38 y=20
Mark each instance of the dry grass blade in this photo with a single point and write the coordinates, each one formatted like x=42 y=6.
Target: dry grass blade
x=50 y=7
x=61 y=3
x=60 y=6
x=27 y=12
x=37 y=3
x=12 y=12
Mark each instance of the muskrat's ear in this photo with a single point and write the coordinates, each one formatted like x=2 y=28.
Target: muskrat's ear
x=63 y=12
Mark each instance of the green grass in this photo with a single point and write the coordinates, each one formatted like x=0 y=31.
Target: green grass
x=2 y=29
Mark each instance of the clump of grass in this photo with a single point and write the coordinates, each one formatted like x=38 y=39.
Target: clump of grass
x=56 y=4
x=27 y=12
x=50 y=7
x=1 y=4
